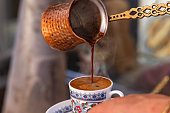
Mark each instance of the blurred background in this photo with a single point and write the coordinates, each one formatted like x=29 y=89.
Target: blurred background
x=135 y=54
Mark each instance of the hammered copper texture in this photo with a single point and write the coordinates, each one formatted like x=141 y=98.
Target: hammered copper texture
x=56 y=28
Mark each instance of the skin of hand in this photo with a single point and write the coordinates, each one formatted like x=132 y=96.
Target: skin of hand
x=136 y=103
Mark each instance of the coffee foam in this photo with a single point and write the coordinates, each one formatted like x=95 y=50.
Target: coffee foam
x=84 y=83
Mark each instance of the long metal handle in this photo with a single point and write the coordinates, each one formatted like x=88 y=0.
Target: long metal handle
x=140 y=12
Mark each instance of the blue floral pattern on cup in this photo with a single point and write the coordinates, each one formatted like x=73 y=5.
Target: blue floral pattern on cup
x=88 y=97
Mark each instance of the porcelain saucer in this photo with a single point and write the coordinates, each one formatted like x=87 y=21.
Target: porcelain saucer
x=61 y=107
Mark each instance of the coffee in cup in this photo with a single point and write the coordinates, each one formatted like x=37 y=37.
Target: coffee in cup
x=85 y=94
x=84 y=83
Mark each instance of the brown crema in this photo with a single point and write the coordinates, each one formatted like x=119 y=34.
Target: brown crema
x=84 y=83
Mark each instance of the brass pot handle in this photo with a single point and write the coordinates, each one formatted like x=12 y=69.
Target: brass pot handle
x=140 y=12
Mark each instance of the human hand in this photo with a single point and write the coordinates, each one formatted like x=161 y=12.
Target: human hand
x=141 y=103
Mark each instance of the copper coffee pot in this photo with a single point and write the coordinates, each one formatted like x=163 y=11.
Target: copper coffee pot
x=66 y=25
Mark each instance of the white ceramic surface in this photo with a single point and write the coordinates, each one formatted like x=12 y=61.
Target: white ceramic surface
x=62 y=107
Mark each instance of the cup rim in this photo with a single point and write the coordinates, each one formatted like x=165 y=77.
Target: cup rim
x=90 y=90
x=106 y=20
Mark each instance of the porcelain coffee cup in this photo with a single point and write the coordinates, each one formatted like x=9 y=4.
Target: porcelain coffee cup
x=83 y=100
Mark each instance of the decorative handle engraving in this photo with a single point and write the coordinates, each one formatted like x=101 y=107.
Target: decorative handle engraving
x=140 y=12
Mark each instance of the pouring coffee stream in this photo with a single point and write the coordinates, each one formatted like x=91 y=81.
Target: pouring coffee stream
x=67 y=25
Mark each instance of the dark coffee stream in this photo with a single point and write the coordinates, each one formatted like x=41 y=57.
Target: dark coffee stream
x=92 y=62
x=85 y=22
